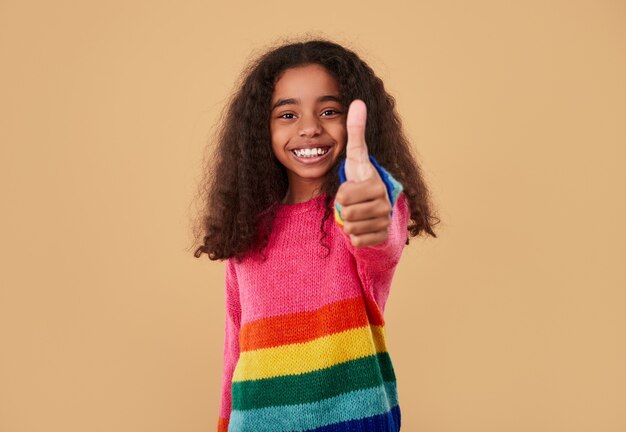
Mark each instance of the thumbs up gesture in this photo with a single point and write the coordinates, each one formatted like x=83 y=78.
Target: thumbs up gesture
x=365 y=206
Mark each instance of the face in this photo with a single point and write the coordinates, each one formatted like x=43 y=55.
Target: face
x=307 y=124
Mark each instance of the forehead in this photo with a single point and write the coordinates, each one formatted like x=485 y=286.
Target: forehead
x=305 y=82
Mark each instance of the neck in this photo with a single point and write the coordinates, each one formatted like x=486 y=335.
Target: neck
x=301 y=190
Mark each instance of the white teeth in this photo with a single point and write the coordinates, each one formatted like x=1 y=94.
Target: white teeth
x=309 y=152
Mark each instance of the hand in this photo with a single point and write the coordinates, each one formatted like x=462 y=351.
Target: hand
x=365 y=204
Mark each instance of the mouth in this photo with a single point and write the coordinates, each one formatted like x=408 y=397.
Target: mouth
x=310 y=155
x=310 y=152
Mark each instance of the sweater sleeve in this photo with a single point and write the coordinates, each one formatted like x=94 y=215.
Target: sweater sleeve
x=231 y=343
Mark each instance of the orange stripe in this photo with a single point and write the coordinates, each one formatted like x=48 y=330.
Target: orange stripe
x=374 y=313
x=222 y=424
x=304 y=326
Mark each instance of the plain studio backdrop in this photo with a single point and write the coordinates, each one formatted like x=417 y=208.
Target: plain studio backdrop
x=513 y=320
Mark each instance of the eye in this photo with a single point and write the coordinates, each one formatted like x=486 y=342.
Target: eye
x=287 y=116
x=330 y=112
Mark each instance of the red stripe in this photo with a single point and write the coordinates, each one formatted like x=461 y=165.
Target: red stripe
x=374 y=313
x=304 y=326
x=222 y=424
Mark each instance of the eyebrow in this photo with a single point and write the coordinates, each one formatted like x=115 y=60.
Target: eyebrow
x=292 y=101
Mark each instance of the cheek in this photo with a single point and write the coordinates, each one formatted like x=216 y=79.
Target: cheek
x=340 y=135
x=279 y=135
x=279 y=139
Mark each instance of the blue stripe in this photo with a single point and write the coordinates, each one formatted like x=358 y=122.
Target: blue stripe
x=358 y=404
x=388 y=422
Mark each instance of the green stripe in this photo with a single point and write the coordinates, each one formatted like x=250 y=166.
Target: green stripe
x=310 y=387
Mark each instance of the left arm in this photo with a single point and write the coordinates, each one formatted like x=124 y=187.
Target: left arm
x=370 y=209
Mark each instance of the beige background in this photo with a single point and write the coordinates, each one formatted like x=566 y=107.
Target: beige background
x=514 y=319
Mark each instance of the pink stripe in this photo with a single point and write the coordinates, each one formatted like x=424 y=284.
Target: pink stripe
x=334 y=279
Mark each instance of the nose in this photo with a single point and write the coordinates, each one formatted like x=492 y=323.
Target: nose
x=310 y=126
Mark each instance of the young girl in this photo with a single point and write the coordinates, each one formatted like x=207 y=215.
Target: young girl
x=312 y=194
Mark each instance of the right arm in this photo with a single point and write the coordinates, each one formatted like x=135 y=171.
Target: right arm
x=231 y=343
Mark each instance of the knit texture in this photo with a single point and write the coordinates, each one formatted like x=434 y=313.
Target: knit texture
x=304 y=345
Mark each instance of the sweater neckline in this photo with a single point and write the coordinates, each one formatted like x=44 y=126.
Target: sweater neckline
x=302 y=207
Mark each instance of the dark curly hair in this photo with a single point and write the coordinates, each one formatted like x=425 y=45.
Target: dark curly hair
x=243 y=180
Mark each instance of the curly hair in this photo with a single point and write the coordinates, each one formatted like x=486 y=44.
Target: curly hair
x=243 y=180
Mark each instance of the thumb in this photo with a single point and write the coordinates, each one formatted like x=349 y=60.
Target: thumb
x=358 y=166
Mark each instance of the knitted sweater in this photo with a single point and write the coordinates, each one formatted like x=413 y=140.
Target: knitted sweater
x=304 y=345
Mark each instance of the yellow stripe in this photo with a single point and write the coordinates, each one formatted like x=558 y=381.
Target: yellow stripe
x=305 y=357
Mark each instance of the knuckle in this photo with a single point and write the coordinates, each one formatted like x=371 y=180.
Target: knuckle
x=343 y=191
x=380 y=188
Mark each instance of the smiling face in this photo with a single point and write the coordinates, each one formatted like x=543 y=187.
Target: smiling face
x=307 y=126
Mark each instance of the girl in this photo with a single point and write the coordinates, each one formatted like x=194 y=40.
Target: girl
x=310 y=198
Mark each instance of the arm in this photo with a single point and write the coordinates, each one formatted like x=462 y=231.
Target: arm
x=231 y=344
x=371 y=211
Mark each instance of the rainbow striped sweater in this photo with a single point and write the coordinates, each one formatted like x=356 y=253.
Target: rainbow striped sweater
x=304 y=346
